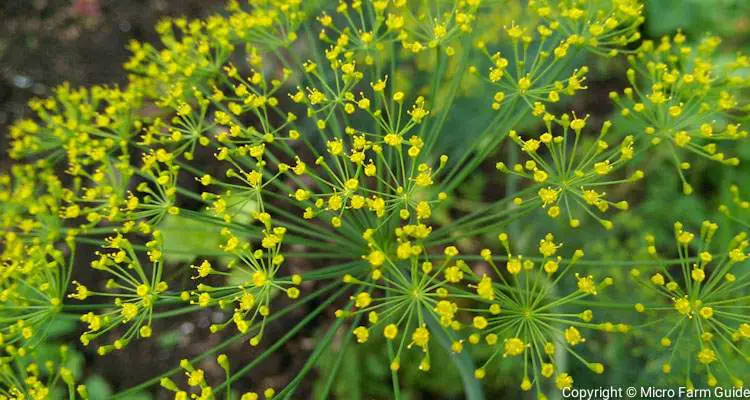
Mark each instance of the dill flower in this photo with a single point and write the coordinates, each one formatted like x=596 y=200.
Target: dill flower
x=604 y=29
x=184 y=132
x=523 y=315
x=259 y=269
x=566 y=178
x=526 y=76
x=31 y=202
x=400 y=22
x=32 y=290
x=384 y=171
x=34 y=375
x=195 y=51
x=406 y=295
x=257 y=96
x=199 y=388
x=97 y=199
x=83 y=126
x=682 y=101
x=540 y=47
x=135 y=289
x=285 y=134
x=698 y=311
x=155 y=198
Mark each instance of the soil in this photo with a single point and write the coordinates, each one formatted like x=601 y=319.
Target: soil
x=44 y=43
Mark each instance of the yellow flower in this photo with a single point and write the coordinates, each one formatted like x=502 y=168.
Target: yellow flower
x=573 y=336
x=390 y=331
x=745 y=330
x=514 y=266
x=658 y=279
x=698 y=274
x=421 y=337
x=335 y=147
x=361 y=333
x=204 y=299
x=81 y=293
x=260 y=278
x=453 y=274
x=563 y=381
x=548 y=196
x=513 y=347
x=603 y=167
x=586 y=284
x=706 y=356
x=547 y=246
x=393 y=140
x=204 y=269
x=547 y=370
x=196 y=377
x=485 y=289
x=682 y=305
x=363 y=300
x=129 y=311
x=480 y=322
x=706 y=312
x=551 y=266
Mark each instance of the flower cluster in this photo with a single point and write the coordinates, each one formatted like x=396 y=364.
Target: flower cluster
x=405 y=291
x=604 y=30
x=32 y=291
x=574 y=169
x=260 y=281
x=136 y=292
x=523 y=314
x=682 y=101
x=698 y=314
x=203 y=391
x=27 y=375
x=286 y=159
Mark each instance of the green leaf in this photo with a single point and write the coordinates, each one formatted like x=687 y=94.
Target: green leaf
x=98 y=387
x=185 y=238
x=61 y=327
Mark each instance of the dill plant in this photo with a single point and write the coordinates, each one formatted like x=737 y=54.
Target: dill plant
x=309 y=142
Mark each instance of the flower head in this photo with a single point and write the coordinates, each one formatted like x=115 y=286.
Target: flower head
x=523 y=317
x=574 y=172
x=700 y=311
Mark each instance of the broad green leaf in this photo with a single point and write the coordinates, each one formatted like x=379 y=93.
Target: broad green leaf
x=185 y=238
x=98 y=387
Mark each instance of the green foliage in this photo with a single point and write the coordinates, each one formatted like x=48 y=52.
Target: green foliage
x=386 y=198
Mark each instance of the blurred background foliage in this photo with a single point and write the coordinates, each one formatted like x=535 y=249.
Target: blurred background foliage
x=44 y=43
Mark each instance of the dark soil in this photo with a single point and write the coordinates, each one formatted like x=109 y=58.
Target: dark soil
x=44 y=43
